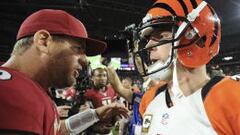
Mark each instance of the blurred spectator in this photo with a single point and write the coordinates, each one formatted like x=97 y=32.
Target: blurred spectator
x=215 y=70
x=69 y=93
x=128 y=84
x=99 y=95
x=64 y=96
x=228 y=71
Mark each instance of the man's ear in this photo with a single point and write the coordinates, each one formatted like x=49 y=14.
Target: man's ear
x=41 y=39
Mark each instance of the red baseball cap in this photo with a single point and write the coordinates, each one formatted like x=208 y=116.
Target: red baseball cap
x=62 y=23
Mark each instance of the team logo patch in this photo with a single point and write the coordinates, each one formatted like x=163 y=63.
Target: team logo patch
x=165 y=118
x=146 y=122
x=4 y=75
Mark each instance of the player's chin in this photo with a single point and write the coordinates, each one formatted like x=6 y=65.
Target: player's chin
x=68 y=82
x=71 y=81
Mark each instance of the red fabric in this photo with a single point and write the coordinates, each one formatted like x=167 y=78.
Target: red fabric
x=25 y=106
x=69 y=93
x=61 y=23
x=98 y=99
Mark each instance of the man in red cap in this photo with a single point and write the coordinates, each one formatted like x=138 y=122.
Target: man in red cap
x=50 y=51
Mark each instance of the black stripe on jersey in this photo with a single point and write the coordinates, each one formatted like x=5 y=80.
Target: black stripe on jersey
x=209 y=85
x=164 y=6
x=185 y=9
x=167 y=95
x=216 y=29
x=161 y=89
x=168 y=99
x=194 y=4
x=15 y=132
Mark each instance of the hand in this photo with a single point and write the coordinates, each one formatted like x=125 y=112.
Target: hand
x=109 y=112
x=63 y=111
x=83 y=107
x=101 y=128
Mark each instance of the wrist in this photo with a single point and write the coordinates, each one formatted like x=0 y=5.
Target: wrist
x=95 y=115
x=81 y=121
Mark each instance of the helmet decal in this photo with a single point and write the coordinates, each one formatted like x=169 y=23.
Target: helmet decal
x=195 y=27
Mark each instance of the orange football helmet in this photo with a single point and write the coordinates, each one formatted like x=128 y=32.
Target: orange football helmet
x=195 y=26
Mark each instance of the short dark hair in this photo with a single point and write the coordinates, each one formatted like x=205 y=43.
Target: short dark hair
x=24 y=43
x=98 y=69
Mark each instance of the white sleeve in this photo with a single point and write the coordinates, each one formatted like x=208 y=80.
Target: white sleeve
x=81 y=121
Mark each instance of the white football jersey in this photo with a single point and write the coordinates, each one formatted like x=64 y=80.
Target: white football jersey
x=186 y=117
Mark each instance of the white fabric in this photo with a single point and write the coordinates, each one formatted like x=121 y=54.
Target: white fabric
x=186 y=117
x=138 y=130
x=81 y=121
x=195 y=12
x=177 y=92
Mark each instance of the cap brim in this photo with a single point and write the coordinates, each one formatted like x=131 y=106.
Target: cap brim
x=94 y=47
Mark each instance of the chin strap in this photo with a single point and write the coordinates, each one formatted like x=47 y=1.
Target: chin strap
x=177 y=92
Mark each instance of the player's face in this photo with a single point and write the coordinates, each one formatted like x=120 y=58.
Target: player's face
x=66 y=62
x=100 y=78
x=155 y=52
x=126 y=83
x=159 y=52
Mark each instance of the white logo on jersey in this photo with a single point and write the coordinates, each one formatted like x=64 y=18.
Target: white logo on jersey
x=106 y=101
x=4 y=75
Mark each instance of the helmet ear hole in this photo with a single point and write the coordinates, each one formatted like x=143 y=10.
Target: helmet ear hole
x=201 y=42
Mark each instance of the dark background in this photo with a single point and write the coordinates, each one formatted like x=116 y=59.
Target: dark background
x=104 y=18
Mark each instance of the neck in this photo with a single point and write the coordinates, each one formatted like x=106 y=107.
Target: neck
x=31 y=66
x=191 y=80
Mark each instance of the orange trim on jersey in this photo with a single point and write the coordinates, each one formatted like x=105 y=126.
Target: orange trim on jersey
x=222 y=105
x=148 y=97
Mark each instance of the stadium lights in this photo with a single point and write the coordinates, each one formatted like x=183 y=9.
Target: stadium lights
x=227 y=58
